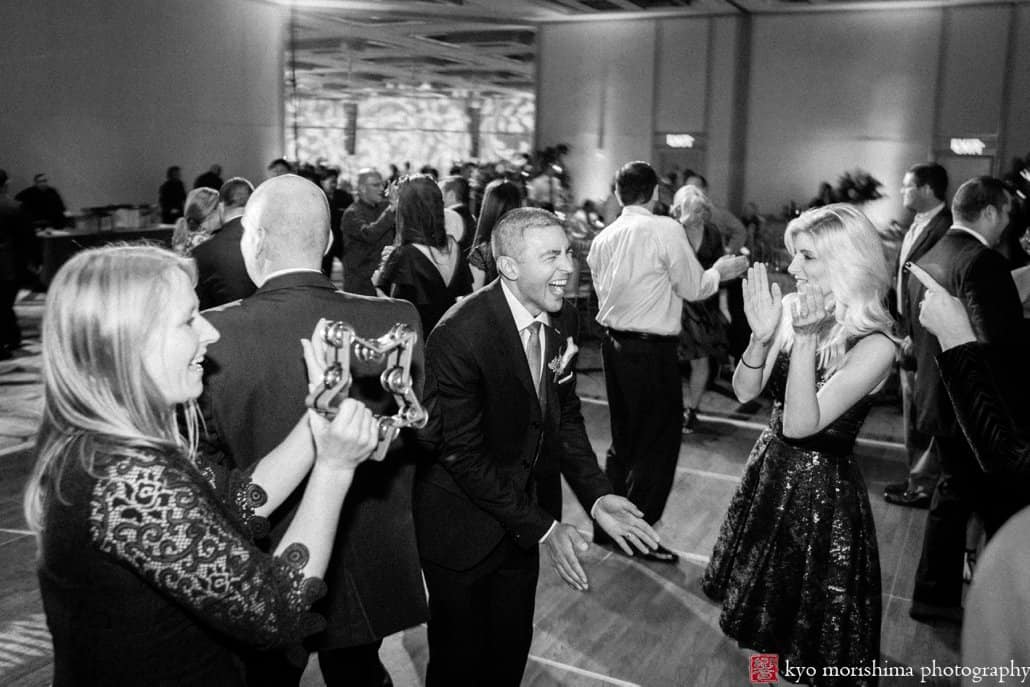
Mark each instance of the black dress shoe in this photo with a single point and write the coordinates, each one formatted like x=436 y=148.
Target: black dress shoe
x=912 y=499
x=896 y=488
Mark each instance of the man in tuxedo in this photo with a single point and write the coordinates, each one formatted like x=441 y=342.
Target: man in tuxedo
x=964 y=264
x=221 y=275
x=923 y=191
x=505 y=423
x=254 y=394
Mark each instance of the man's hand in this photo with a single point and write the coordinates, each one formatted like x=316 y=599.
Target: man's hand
x=625 y=523
x=941 y=313
x=562 y=544
x=730 y=266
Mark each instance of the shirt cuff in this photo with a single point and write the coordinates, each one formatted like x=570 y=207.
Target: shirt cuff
x=709 y=283
x=547 y=534
x=593 y=508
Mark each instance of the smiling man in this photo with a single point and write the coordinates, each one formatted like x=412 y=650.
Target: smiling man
x=505 y=426
x=643 y=269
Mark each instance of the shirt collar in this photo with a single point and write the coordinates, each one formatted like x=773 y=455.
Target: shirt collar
x=292 y=270
x=636 y=210
x=523 y=318
x=981 y=239
x=924 y=217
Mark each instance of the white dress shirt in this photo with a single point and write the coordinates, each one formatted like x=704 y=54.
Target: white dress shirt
x=643 y=269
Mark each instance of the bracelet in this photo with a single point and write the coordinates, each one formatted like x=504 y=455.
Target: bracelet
x=751 y=367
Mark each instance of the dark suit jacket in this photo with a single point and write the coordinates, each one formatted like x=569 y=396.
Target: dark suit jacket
x=994 y=425
x=254 y=394
x=980 y=277
x=221 y=273
x=931 y=234
x=470 y=225
x=499 y=454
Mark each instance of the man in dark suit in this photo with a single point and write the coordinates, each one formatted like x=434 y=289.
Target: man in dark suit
x=367 y=226
x=506 y=424
x=964 y=264
x=455 y=191
x=221 y=275
x=254 y=393
x=923 y=191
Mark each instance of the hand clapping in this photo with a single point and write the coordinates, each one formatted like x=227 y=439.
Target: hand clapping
x=810 y=310
x=762 y=306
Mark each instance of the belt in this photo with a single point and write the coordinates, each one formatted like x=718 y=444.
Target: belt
x=641 y=336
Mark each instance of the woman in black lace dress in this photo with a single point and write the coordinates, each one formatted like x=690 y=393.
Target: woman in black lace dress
x=796 y=566
x=146 y=563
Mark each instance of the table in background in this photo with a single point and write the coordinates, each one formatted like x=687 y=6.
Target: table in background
x=59 y=245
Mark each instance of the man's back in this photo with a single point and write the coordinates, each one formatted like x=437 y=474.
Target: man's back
x=255 y=386
x=979 y=276
x=634 y=264
x=221 y=273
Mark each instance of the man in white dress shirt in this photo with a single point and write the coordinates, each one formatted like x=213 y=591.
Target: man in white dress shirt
x=643 y=269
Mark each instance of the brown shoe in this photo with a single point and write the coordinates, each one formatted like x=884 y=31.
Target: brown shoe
x=912 y=499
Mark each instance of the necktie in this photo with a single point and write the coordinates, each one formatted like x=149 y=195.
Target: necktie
x=533 y=353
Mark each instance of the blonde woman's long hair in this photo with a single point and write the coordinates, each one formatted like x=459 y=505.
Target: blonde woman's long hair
x=857 y=274
x=97 y=398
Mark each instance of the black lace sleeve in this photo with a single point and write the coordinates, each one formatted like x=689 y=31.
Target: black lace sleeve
x=238 y=491
x=156 y=515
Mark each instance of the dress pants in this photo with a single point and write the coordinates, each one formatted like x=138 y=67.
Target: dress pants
x=645 y=401
x=481 y=621
x=923 y=463
x=353 y=666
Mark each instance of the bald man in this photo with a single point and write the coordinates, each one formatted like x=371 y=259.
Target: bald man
x=255 y=385
x=367 y=226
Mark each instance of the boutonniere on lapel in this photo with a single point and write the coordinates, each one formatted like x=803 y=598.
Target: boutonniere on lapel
x=559 y=365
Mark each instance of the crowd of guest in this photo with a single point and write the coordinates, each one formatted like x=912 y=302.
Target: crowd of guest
x=182 y=369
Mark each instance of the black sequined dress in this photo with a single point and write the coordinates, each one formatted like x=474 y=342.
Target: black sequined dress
x=796 y=565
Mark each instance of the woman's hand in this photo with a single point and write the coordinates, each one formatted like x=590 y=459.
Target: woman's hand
x=314 y=354
x=762 y=306
x=941 y=313
x=346 y=441
x=810 y=310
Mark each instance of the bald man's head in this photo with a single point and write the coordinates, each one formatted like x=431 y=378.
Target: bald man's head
x=286 y=226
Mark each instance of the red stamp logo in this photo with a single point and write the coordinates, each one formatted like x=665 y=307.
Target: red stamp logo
x=764 y=668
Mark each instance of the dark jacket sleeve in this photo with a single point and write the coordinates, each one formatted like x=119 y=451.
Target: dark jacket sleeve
x=991 y=299
x=999 y=440
x=455 y=382
x=366 y=232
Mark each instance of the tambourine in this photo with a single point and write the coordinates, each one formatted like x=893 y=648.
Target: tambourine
x=395 y=349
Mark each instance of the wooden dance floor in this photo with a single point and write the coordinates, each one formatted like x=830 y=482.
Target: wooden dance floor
x=640 y=624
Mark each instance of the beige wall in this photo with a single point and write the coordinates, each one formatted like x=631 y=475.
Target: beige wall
x=104 y=96
x=822 y=93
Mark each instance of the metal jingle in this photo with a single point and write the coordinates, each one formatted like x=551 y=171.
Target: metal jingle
x=333 y=334
x=333 y=375
x=393 y=380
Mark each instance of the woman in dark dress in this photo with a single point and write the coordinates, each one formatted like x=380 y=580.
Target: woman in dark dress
x=427 y=268
x=796 y=566
x=146 y=566
x=703 y=336
x=500 y=196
